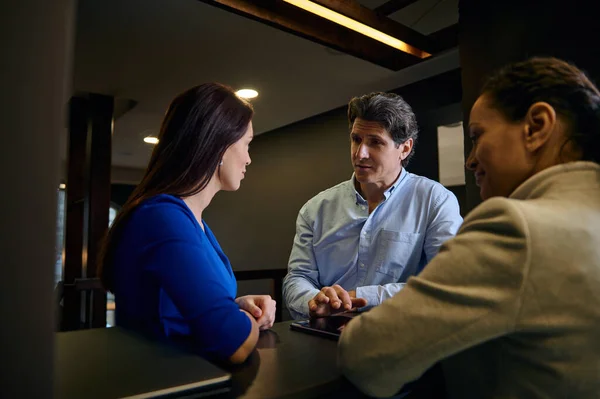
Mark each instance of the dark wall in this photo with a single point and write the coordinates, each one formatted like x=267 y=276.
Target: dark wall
x=461 y=195
x=435 y=101
x=494 y=33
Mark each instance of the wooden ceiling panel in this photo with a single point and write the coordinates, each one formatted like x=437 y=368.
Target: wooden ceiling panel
x=297 y=21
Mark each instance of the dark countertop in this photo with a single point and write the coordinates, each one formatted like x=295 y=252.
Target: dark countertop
x=291 y=364
x=287 y=364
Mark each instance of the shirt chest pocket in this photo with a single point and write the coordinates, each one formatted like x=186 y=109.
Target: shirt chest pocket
x=397 y=252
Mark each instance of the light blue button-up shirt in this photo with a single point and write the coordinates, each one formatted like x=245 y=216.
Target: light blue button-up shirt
x=338 y=242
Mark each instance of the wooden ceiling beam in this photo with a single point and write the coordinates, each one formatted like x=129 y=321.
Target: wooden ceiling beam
x=353 y=9
x=292 y=19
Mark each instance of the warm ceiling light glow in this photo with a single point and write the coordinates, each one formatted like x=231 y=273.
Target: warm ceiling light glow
x=62 y=186
x=150 y=140
x=247 y=93
x=358 y=27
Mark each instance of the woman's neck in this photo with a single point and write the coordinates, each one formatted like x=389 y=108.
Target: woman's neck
x=200 y=201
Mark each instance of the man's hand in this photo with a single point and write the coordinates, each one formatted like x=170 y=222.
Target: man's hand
x=332 y=300
x=261 y=307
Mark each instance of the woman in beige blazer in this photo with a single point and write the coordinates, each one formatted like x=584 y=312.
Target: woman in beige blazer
x=511 y=305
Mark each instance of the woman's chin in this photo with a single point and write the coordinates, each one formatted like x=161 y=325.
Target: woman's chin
x=484 y=193
x=231 y=186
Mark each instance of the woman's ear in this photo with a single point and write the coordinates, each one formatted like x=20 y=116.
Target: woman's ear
x=540 y=124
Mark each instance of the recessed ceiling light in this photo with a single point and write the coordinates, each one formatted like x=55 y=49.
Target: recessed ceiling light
x=62 y=186
x=150 y=140
x=247 y=93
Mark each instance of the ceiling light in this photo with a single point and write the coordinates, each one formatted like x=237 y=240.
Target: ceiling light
x=247 y=93
x=62 y=186
x=150 y=140
x=358 y=27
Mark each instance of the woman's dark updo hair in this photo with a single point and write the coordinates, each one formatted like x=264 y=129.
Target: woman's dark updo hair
x=514 y=88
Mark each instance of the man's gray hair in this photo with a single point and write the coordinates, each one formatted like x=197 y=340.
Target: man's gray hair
x=389 y=109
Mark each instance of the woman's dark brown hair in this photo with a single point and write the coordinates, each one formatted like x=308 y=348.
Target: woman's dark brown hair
x=514 y=88
x=199 y=126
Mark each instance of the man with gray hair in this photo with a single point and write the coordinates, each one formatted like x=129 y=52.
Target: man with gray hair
x=357 y=243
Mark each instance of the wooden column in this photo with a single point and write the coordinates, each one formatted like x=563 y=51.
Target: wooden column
x=88 y=202
x=74 y=221
x=98 y=198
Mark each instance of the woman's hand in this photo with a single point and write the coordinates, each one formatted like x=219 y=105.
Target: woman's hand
x=262 y=307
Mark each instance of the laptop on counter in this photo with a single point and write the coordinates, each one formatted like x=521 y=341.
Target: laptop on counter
x=116 y=363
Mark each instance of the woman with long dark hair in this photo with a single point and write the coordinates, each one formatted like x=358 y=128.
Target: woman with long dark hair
x=168 y=273
x=511 y=305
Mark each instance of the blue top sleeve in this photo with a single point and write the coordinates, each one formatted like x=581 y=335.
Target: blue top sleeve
x=173 y=279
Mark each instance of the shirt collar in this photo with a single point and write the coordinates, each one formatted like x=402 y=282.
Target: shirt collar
x=386 y=193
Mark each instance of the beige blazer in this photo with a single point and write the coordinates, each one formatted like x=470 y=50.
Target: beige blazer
x=511 y=304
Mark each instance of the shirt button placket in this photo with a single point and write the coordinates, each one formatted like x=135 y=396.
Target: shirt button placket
x=362 y=253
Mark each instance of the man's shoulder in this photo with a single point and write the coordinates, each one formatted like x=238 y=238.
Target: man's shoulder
x=425 y=185
x=328 y=196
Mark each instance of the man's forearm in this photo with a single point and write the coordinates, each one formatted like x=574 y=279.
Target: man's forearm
x=297 y=291
x=376 y=294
